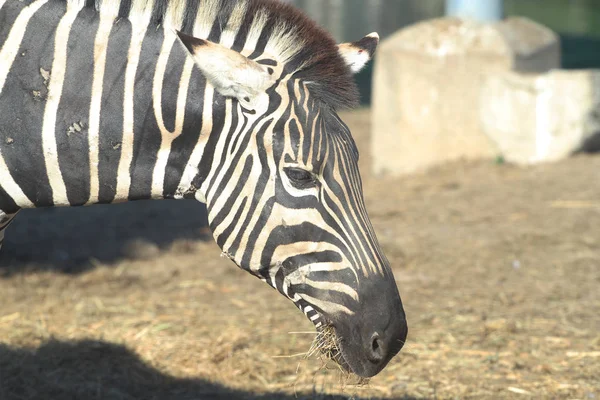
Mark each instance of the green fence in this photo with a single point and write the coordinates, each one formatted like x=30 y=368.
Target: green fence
x=577 y=22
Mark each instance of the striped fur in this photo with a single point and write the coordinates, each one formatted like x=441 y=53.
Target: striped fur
x=114 y=101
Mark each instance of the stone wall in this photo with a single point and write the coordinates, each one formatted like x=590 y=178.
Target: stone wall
x=542 y=117
x=448 y=88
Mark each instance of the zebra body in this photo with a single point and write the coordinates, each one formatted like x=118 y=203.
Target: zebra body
x=231 y=102
x=103 y=132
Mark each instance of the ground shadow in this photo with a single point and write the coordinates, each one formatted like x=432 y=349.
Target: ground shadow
x=70 y=239
x=91 y=370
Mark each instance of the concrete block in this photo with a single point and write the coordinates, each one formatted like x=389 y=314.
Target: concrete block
x=427 y=87
x=542 y=117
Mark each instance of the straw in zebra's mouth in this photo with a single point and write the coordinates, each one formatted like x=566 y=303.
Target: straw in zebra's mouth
x=327 y=343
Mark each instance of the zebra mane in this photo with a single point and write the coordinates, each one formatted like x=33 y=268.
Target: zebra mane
x=268 y=26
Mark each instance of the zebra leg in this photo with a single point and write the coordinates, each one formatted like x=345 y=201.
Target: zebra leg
x=5 y=220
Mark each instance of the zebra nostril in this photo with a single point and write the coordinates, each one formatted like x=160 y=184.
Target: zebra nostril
x=375 y=345
x=377 y=349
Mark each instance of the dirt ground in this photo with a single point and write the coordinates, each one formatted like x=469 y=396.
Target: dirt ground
x=498 y=267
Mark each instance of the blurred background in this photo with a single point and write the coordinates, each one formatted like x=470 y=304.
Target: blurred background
x=345 y=18
x=576 y=21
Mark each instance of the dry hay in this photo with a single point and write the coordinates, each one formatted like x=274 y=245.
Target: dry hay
x=326 y=343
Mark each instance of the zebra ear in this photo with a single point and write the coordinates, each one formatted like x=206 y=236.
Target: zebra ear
x=231 y=74
x=357 y=54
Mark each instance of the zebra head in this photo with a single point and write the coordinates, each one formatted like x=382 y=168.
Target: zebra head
x=285 y=202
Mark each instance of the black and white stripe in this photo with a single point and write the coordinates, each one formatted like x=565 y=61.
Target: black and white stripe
x=232 y=102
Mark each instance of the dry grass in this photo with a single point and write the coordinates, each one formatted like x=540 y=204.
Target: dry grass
x=325 y=343
x=499 y=269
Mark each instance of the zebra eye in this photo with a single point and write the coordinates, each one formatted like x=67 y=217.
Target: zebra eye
x=300 y=178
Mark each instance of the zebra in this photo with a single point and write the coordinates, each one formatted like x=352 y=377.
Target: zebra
x=233 y=103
